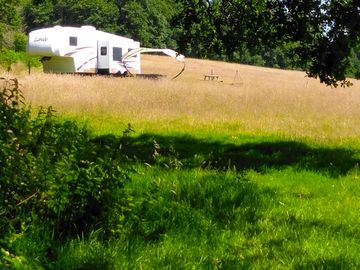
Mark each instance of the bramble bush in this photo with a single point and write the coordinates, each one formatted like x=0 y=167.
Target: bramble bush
x=50 y=173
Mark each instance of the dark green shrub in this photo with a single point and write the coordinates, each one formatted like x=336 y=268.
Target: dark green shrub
x=20 y=40
x=51 y=173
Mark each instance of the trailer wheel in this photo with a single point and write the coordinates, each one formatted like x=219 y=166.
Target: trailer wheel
x=119 y=74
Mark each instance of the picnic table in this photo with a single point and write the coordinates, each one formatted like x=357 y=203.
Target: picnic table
x=211 y=77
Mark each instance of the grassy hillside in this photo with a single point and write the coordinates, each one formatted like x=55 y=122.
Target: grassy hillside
x=257 y=171
x=248 y=99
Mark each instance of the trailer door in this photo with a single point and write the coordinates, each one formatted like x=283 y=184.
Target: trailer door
x=103 y=56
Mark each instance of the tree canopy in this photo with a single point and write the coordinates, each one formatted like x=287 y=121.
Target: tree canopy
x=321 y=37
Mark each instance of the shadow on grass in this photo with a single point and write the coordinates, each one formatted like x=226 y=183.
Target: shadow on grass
x=190 y=152
x=198 y=210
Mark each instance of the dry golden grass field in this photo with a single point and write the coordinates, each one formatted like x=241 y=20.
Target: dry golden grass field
x=246 y=99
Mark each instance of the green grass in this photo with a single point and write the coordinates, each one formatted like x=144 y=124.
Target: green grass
x=212 y=197
x=201 y=219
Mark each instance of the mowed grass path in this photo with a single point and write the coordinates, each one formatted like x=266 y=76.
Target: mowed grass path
x=259 y=171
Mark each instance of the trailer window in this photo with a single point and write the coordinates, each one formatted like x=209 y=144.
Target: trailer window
x=73 y=41
x=103 y=50
x=117 y=53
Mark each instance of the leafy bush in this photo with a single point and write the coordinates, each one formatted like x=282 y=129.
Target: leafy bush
x=50 y=173
x=20 y=40
x=9 y=57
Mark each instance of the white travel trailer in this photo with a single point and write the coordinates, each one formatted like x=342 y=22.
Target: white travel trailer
x=84 y=50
